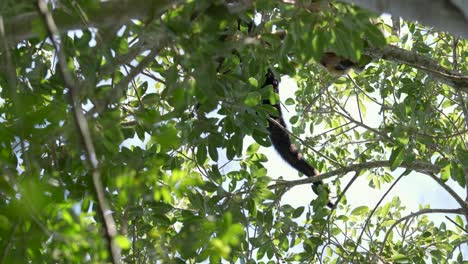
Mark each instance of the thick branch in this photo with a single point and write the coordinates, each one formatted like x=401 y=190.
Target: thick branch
x=414 y=165
x=416 y=60
x=441 y=14
x=110 y=13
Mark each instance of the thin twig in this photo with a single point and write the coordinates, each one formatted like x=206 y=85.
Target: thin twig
x=366 y=224
x=340 y=196
x=456 y=224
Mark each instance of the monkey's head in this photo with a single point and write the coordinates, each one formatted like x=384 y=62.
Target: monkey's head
x=338 y=65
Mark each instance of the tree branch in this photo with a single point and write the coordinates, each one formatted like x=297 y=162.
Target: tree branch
x=109 y=13
x=420 y=166
x=83 y=131
x=416 y=60
x=441 y=14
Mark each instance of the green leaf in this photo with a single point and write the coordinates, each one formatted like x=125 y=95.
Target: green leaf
x=253 y=149
x=445 y=172
x=361 y=210
x=399 y=257
x=38 y=27
x=5 y=224
x=319 y=43
x=252 y=207
x=253 y=99
x=289 y=101
x=462 y=155
x=293 y=120
x=253 y=82
x=213 y=151
x=396 y=158
x=201 y=154
x=261 y=139
x=123 y=242
x=459 y=221
x=150 y=99
x=375 y=36
x=166 y=136
x=298 y=212
x=385 y=209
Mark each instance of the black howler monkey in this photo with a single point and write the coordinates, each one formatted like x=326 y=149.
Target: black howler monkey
x=282 y=143
x=280 y=140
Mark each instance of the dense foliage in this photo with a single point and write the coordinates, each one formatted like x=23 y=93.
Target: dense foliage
x=185 y=82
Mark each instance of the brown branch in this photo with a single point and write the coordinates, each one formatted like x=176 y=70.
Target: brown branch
x=419 y=166
x=109 y=13
x=442 y=14
x=83 y=131
x=420 y=212
x=416 y=60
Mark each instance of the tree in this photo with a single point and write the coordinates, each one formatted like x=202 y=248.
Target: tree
x=184 y=80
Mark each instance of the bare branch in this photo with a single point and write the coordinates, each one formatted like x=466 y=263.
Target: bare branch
x=420 y=166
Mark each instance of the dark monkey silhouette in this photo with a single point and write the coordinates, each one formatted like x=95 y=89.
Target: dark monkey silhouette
x=282 y=143
x=280 y=139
